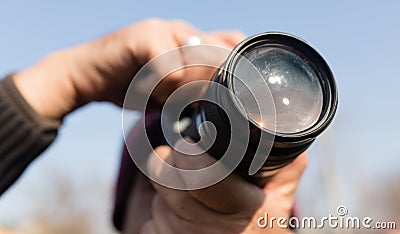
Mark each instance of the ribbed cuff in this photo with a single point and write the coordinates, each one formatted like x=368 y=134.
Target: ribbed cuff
x=23 y=133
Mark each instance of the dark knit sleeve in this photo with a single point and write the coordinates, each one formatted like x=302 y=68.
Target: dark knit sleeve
x=23 y=134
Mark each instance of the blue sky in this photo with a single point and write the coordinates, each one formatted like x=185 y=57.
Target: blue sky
x=359 y=39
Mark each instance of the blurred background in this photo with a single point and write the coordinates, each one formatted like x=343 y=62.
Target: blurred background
x=69 y=189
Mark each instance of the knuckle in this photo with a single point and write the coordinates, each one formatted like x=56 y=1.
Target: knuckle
x=176 y=77
x=153 y=23
x=238 y=33
x=181 y=24
x=153 y=20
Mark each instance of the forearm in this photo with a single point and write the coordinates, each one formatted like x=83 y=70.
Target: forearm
x=23 y=134
x=33 y=103
x=99 y=70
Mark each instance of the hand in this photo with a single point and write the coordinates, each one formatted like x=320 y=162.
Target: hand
x=102 y=70
x=4 y=231
x=231 y=206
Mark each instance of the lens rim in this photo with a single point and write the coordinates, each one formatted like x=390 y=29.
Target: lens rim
x=311 y=57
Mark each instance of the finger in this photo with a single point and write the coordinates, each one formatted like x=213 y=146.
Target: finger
x=212 y=52
x=225 y=39
x=161 y=168
x=148 y=228
x=168 y=220
x=166 y=60
x=179 y=201
x=297 y=167
x=231 y=195
x=183 y=31
x=138 y=206
x=169 y=65
x=231 y=37
x=199 y=54
x=286 y=180
x=206 y=220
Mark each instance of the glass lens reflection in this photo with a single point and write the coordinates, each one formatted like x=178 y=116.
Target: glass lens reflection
x=294 y=86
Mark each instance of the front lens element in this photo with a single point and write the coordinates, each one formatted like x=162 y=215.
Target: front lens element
x=294 y=86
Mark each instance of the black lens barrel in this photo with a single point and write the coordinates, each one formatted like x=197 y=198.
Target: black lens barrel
x=285 y=146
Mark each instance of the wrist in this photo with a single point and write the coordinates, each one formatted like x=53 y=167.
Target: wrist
x=47 y=86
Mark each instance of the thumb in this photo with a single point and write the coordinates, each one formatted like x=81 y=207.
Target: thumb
x=230 y=195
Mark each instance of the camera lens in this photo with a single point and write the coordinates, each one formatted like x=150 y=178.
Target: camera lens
x=264 y=106
x=292 y=82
